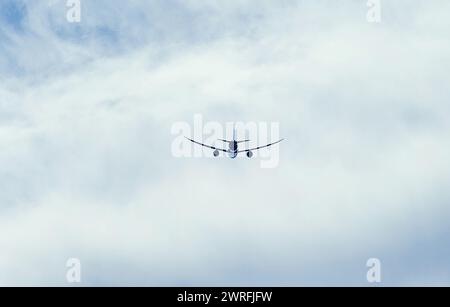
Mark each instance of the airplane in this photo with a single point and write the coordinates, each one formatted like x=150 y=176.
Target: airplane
x=233 y=147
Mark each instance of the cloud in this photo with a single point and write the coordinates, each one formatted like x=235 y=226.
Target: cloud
x=86 y=167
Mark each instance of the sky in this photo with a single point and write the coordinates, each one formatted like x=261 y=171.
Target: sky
x=87 y=172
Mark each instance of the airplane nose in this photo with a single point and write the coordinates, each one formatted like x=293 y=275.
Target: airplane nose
x=232 y=155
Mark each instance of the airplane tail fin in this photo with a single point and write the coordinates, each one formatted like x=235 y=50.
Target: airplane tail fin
x=234 y=138
x=225 y=141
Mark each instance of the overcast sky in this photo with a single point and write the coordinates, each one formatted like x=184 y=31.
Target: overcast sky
x=86 y=168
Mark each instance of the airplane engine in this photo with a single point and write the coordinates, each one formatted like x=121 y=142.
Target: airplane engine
x=216 y=153
x=249 y=154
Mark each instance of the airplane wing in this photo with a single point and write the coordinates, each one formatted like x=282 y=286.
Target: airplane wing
x=212 y=147
x=259 y=147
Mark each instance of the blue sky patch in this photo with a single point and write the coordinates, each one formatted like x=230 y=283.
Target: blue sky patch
x=12 y=13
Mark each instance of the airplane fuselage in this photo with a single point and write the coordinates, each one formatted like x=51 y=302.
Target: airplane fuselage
x=233 y=149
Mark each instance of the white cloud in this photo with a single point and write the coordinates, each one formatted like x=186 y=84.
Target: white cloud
x=85 y=149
